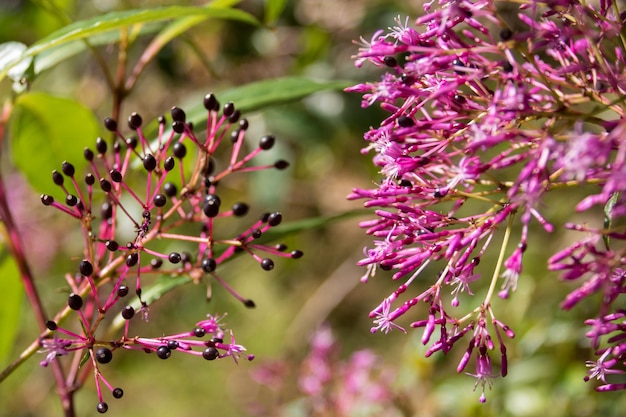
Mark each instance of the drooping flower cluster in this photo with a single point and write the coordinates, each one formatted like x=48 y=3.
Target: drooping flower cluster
x=150 y=208
x=485 y=118
x=360 y=385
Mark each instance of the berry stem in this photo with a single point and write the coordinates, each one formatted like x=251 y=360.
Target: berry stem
x=496 y=271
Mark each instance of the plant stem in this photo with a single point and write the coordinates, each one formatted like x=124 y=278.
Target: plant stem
x=16 y=248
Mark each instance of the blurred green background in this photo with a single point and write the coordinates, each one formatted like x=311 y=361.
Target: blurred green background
x=322 y=138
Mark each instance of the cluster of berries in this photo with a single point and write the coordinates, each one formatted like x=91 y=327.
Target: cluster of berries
x=149 y=209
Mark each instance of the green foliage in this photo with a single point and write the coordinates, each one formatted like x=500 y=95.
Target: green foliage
x=273 y=10
x=98 y=25
x=11 y=298
x=45 y=131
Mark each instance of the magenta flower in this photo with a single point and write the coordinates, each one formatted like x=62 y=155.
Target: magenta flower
x=483 y=121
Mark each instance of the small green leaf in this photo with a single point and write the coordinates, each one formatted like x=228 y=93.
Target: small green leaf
x=47 y=130
x=608 y=216
x=111 y=21
x=11 y=298
x=273 y=10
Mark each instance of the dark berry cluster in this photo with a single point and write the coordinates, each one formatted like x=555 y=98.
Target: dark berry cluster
x=149 y=208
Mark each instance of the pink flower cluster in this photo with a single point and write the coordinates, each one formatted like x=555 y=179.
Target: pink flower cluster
x=488 y=112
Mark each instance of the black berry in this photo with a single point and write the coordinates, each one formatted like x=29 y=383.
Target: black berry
x=103 y=355
x=90 y=179
x=178 y=114
x=111 y=245
x=267 y=264
x=281 y=164
x=106 y=210
x=249 y=304
x=132 y=259
x=110 y=124
x=134 y=121
x=75 y=301
x=210 y=353
x=169 y=163
x=211 y=205
x=51 y=325
x=179 y=150
x=506 y=34
x=169 y=189
x=105 y=185
x=122 y=291
x=116 y=176
x=118 y=393
x=149 y=162
x=102 y=407
x=156 y=263
x=172 y=344
x=178 y=126
x=85 y=267
x=163 y=352
x=101 y=146
x=229 y=109
x=296 y=254
x=199 y=332
x=71 y=200
x=208 y=265
x=47 y=199
x=267 y=142
x=131 y=142
x=159 y=200
x=390 y=61
x=128 y=312
x=275 y=218
x=68 y=169
x=174 y=257
x=88 y=154
x=240 y=209
x=405 y=121
x=57 y=177
x=210 y=102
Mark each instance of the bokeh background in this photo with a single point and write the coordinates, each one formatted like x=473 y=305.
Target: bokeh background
x=322 y=137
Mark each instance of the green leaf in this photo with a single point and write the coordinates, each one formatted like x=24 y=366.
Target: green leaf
x=11 y=58
x=608 y=216
x=273 y=10
x=257 y=96
x=52 y=57
x=11 y=298
x=267 y=93
x=111 y=21
x=47 y=130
